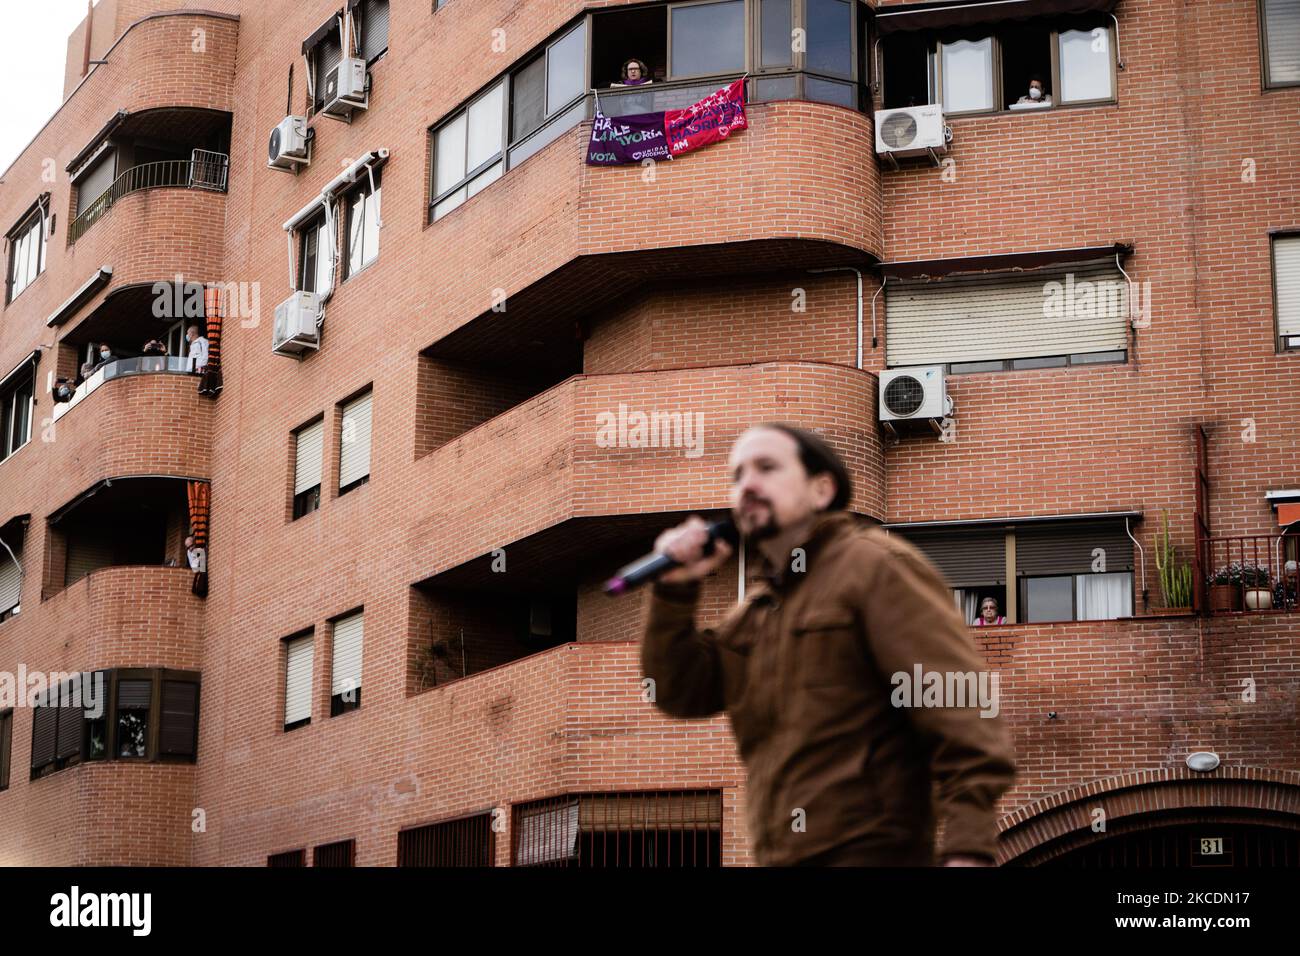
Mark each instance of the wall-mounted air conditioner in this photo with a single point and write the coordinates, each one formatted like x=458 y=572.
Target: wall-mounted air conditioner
x=916 y=393
x=290 y=145
x=345 y=89
x=911 y=131
x=297 y=326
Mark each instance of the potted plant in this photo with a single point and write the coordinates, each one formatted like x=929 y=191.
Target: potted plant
x=1175 y=578
x=1257 y=584
x=1225 y=588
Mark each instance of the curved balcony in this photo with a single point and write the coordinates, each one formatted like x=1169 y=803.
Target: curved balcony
x=206 y=170
x=580 y=450
x=798 y=189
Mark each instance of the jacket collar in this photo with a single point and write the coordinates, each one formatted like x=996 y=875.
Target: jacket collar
x=826 y=527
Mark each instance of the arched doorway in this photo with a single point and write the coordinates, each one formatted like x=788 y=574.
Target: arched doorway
x=1233 y=818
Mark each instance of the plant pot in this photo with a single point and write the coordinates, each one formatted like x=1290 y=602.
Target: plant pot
x=1225 y=597
x=1259 y=599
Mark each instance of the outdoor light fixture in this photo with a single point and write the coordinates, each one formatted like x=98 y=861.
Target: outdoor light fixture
x=1202 y=761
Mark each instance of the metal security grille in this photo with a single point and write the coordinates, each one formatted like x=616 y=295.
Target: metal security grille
x=465 y=842
x=651 y=829
x=288 y=858
x=343 y=853
x=1210 y=845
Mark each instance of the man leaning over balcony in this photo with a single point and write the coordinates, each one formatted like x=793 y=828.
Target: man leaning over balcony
x=198 y=349
x=838 y=766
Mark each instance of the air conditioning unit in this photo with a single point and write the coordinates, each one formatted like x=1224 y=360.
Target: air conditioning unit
x=290 y=144
x=296 y=328
x=911 y=131
x=913 y=393
x=345 y=89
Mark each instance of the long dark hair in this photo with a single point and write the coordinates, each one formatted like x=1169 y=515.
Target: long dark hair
x=818 y=457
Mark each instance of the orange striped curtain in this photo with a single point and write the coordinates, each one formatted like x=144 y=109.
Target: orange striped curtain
x=198 y=495
x=210 y=383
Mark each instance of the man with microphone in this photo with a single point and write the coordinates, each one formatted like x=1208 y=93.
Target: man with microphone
x=806 y=667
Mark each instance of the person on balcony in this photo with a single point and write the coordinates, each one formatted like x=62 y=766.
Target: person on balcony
x=198 y=562
x=989 y=613
x=63 y=390
x=634 y=73
x=155 y=354
x=1036 y=96
x=105 y=356
x=198 y=349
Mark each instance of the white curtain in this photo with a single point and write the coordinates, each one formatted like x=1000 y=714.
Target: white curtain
x=968 y=603
x=1103 y=597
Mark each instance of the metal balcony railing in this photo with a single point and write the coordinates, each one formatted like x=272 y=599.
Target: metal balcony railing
x=1248 y=573
x=203 y=170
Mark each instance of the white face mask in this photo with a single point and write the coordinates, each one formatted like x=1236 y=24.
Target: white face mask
x=1035 y=93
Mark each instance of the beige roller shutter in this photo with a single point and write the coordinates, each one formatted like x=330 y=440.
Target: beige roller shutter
x=1057 y=311
x=348 y=633
x=96 y=182
x=11 y=579
x=307 y=457
x=354 y=442
x=297 y=685
x=1286 y=271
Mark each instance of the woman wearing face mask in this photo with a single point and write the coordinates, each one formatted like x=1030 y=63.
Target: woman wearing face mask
x=1036 y=95
x=105 y=355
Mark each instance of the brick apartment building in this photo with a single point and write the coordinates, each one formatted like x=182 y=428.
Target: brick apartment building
x=421 y=502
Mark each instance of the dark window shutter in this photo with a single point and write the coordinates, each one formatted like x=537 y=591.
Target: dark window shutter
x=372 y=25
x=6 y=747
x=180 y=713
x=1067 y=548
x=326 y=57
x=69 y=732
x=966 y=557
x=134 y=694
x=44 y=730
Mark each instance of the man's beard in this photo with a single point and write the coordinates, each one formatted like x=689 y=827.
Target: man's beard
x=761 y=532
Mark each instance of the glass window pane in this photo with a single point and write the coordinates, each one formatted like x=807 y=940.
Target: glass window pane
x=356 y=229
x=1049 y=599
x=450 y=155
x=830 y=37
x=371 y=239
x=485 y=128
x=448 y=204
x=967 y=67
x=485 y=179
x=528 y=106
x=566 y=63
x=777 y=27
x=1104 y=597
x=771 y=88
x=1097 y=358
x=828 y=91
x=708 y=38
x=1085 y=65
x=963 y=368
x=1046 y=361
x=1282 y=40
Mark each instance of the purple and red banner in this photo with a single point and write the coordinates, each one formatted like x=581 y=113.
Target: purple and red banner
x=631 y=139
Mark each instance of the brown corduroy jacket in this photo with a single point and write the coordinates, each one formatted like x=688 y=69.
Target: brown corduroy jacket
x=812 y=668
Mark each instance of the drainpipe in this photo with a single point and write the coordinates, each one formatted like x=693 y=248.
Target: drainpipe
x=858 y=273
x=1142 y=567
x=90 y=23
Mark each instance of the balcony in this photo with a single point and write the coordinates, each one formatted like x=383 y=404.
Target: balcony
x=1249 y=574
x=204 y=170
x=573 y=456
x=123 y=368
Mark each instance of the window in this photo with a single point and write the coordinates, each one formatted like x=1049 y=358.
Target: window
x=1280 y=23
x=1085 y=65
x=706 y=38
x=363 y=224
x=6 y=746
x=966 y=68
x=548 y=84
x=1071 y=65
x=297 y=682
x=466 y=842
x=1046 y=361
x=96 y=181
x=11 y=580
x=830 y=37
x=124 y=714
x=1286 y=290
x=308 y=442
x=371 y=18
x=467 y=151
x=27 y=247
x=354 y=444
x=17 y=395
x=345 y=689
x=1045 y=317
x=289 y=858
x=343 y=853
x=315 y=260
x=775 y=30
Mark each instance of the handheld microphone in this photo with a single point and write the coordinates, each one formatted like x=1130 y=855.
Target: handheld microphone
x=654 y=564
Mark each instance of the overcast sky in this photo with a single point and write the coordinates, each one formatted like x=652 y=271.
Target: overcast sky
x=33 y=46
